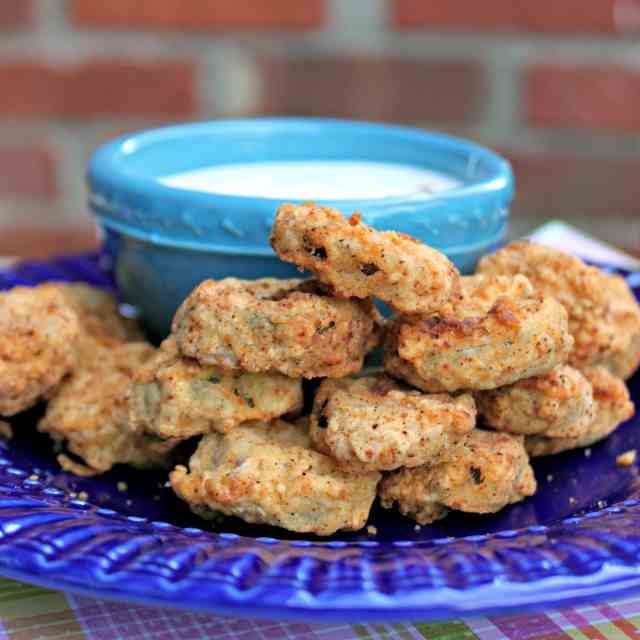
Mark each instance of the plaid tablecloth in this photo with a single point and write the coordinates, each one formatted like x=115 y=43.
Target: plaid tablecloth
x=28 y=612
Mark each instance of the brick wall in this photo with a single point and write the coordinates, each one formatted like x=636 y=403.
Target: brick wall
x=553 y=84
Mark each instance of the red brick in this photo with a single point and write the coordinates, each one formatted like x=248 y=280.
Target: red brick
x=209 y=15
x=41 y=241
x=98 y=88
x=14 y=13
x=566 y=185
x=27 y=171
x=583 y=97
x=378 y=89
x=544 y=16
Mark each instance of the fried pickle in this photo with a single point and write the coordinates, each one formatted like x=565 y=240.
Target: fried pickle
x=483 y=473
x=267 y=473
x=373 y=424
x=275 y=325
x=177 y=397
x=357 y=261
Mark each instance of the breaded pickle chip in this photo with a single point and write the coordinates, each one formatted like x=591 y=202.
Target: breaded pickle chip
x=177 y=397
x=288 y=326
x=89 y=411
x=373 y=423
x=38 y=333
x=482 y=341
x=623 y=358
x=557 y=404
x=99 y=315
x=604 y=317
x=483 y=473
x=356 y=261
x=267 y=473
x=612 y=407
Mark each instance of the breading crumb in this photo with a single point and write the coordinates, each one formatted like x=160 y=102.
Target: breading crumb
x=587 y=452
x=417 y=528
x=372 y=531
x=601 y=504
x=83 y=495
x=6 y=431
x=572 y=500
x=627 y=458
x=73 y=494
x=550 y=477
x=122 y=486
x=34 y=476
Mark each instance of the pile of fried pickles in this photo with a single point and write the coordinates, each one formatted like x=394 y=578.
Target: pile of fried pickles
x=528 y=357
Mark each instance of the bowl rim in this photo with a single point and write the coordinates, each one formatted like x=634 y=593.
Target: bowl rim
x=108 y=159
x=121 y=198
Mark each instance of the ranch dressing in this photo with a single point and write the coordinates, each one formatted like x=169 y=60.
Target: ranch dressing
x=314 y=180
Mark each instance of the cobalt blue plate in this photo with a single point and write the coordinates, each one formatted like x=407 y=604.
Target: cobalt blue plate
x=578 y=539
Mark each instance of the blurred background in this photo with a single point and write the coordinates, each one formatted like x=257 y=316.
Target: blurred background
x=552 y=84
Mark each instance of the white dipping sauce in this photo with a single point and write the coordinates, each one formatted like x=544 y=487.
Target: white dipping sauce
x=321 y=180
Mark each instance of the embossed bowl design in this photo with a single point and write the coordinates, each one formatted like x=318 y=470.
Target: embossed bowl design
x=164 y=240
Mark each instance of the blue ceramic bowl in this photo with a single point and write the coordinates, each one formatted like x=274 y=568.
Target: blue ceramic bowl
x=164 y=240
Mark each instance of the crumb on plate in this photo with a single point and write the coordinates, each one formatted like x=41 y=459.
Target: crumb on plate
x=627 y=458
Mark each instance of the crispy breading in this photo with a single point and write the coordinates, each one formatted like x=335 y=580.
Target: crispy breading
x=89 y=411
x=483 y=473
x=275 y=325
x=480 y=292
x=267 y=473
x=498 y=332
x=357 y=261
x=604 y=317
x=612 y=407
x=99 y=313
x=623 y=357
x=558 y=404
x=177 y=397
x=373 y=424
x=38 y=331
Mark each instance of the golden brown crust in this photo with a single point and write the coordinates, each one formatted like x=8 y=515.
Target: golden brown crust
x=483 y=473
x=268 y=474
x=275 y=325
x=99 y=315
x=372 y=423
x=38 y=333
x=612 y=407
x=176 y=397
x=604 y=317
x=357 y=261
x=89 y=411
x=623 y=357
x=480 y=342
x=556 y=404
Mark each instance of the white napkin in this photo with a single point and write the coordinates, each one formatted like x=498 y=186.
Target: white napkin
x=560 y=235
